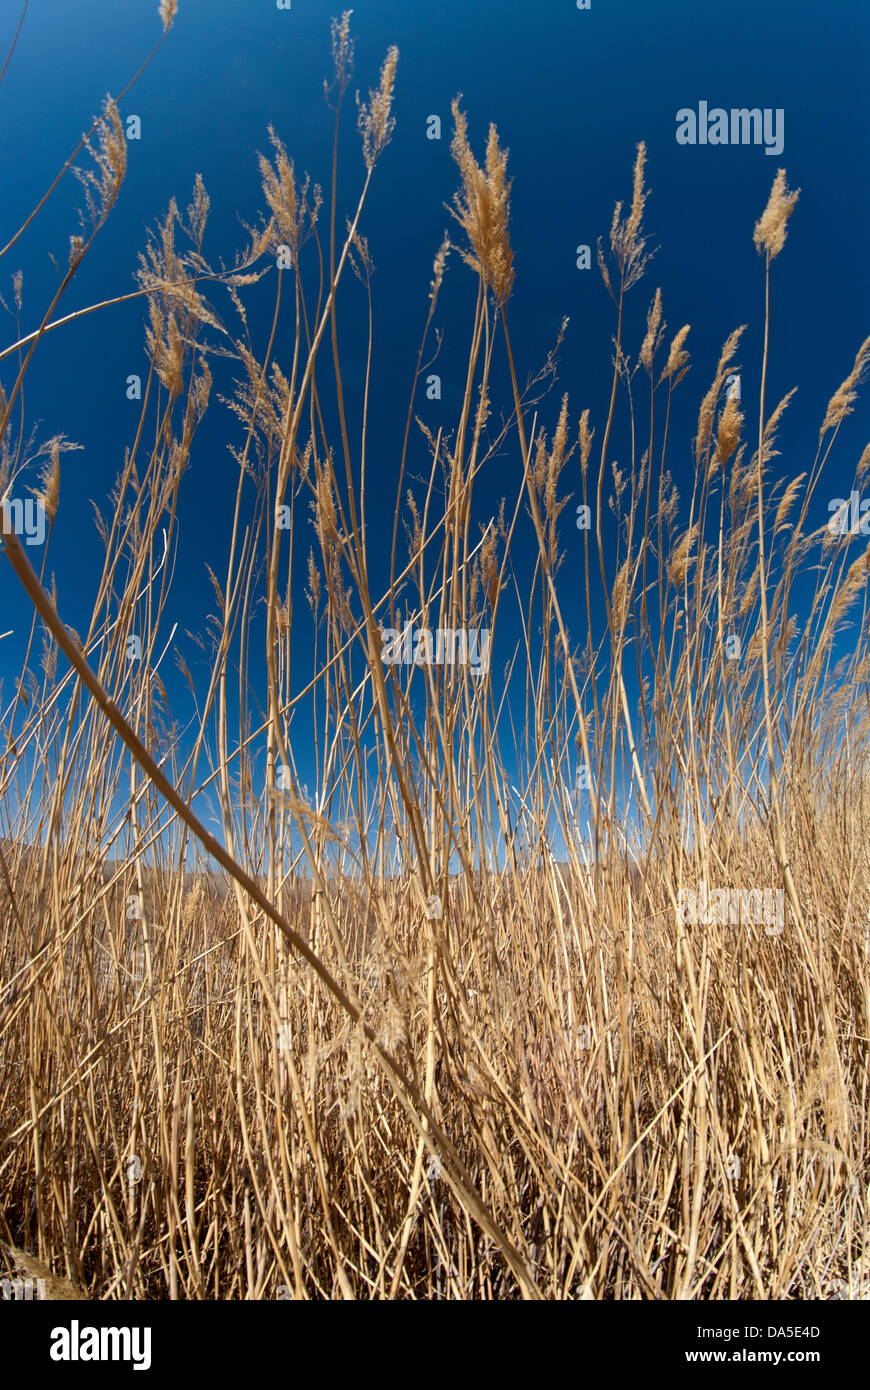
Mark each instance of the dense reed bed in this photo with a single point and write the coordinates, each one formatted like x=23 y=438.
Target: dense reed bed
x=438 y=1027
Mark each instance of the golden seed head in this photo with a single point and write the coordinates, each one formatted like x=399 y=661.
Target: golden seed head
x=627 y=245
x=376 y=121
x=280 y=191
x=654 y=331
x=482 y=208
x=708 y=405
x=342 y=49
x=51 y=481
x=770 y=229
x=841 y=403
x=313 y=590
x=681 y=559
x=438 y=268
x=730 y=425
x=585 y=436
x=677 y=357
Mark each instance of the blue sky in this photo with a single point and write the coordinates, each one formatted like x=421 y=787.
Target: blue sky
x=571 y=92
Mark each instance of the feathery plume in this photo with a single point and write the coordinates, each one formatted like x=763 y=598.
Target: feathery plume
x=681 y=559
x=788 y=500
x=770 y=229
x=728 y=436
x=585 y=436
x=438 y=268
x=342 y=54
x=841 y=403
x=312 y=593
x=103 y=184
x=675 y=368
x=375 y=121
x=627 y=246
x=708 y=405
x=50 y=480
x=654 y=330
x=482 y=208
x=287 y=201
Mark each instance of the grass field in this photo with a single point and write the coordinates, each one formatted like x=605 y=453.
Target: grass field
x=441 y=1026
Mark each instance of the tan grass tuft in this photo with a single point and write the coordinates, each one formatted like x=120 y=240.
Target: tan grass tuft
x=482 y=207
x=843 y=399
x=676 y=366
x=376 y=122
x=654 y=330
x=770 y=230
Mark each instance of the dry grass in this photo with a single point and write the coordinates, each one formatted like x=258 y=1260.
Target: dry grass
x=236 y=1069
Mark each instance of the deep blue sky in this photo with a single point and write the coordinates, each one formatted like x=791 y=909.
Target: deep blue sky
x=571 y=93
